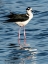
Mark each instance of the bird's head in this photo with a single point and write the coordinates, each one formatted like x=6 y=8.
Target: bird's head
x=29 y=10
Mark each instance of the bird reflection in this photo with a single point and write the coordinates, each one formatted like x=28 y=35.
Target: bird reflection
x=19 y=55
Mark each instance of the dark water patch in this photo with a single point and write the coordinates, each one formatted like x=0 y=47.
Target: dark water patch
x=34 y=0
x=8 y=30
x=7 y=38
x=2 y=34
x=19 y=2
x=8 y=2
x=2 y=13
x=17 y=7
x=2 y=50
x=41 y=45
x=7 y=34
x=45 y=30
x=27 y=35
x=11 y=45
x=4 y=39
x=36 y=12
x=1 y=28
x=43 y=14
x=42 y=21
x=46 y=2
x=46 y=50
x=42 y=54
x=38 y=37
x=41 y=35
x=32 y=29
x=44 y=34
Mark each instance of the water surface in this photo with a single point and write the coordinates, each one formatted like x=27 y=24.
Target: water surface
x=36 y=33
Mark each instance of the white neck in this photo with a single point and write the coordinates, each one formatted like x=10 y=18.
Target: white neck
x=30 y=14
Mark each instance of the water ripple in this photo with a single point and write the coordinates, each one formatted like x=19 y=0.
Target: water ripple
x=42 y=54
x=41 y=35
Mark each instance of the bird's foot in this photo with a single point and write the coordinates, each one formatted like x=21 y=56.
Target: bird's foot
x=21 y=46
x=26 y=44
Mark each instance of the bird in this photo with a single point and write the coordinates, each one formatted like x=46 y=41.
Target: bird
x=21 y=19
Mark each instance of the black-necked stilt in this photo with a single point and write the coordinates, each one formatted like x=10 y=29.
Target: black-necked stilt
x=21 y=19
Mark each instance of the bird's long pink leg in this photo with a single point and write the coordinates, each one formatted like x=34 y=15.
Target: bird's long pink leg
x=24 y=36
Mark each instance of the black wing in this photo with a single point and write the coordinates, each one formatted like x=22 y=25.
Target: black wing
x=17 y=17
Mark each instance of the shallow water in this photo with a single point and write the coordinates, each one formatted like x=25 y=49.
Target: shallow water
x=36 y=33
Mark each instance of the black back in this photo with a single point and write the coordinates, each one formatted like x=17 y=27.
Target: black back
x=17 y=17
